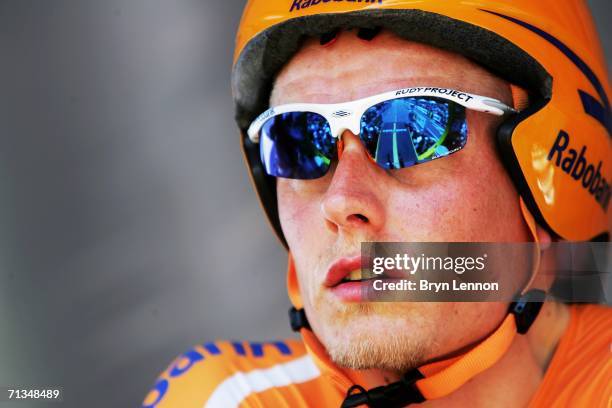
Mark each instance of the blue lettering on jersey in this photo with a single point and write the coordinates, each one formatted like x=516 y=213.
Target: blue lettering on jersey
x=239 y=348
x=257 y=348
x=161 y=387
x=211 y=348
x=187 y=360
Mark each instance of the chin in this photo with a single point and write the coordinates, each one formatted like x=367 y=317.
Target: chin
x=388 y=336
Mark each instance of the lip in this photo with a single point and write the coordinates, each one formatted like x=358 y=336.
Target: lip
x=351 y=291
x=354 y=291
x=341 y=268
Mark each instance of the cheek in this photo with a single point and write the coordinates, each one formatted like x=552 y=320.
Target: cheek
x=429 y=214
x=299 y=210
x=483 y=318
x=301 y=221
x=465 y=197
x=492 y=201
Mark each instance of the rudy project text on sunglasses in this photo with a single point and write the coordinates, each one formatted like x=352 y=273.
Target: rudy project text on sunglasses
x=399 y=129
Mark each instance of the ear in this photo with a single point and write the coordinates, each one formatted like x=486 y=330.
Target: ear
x=547 y=259
x=544 y=238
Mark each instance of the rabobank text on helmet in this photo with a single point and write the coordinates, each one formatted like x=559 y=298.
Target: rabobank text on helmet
x=577 y=166
x=302 y=4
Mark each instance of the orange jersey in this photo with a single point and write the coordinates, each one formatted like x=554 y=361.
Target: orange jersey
x=580 y=373
x=295 y=373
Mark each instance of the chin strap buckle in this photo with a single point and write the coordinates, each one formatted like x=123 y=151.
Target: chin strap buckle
x=394 y=395
x=298 y=320
x=526 y=308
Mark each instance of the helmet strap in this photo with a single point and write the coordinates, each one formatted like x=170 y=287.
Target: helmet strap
x=438 y=379
x=416 y=386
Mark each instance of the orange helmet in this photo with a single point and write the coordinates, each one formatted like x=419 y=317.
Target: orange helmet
x=556 y=150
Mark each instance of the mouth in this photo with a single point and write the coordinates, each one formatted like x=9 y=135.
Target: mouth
x=346 y=269
x=346 y=280
x=349 y=269
x=354 y=276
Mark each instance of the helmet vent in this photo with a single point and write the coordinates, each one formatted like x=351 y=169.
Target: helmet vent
x=328 y=38
x=367 y=34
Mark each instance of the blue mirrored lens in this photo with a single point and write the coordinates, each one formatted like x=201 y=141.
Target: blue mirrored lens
x=297 y=145
x=407 y=131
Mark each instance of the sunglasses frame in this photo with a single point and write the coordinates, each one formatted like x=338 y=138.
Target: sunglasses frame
x=347 y=115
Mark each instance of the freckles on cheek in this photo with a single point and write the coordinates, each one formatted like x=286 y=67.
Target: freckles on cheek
x=441 y=211
x=417 y=215
x=298 y=214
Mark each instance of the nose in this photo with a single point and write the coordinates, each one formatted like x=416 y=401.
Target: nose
x=354 y=201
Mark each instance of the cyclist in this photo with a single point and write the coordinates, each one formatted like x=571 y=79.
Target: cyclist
x=520 y=84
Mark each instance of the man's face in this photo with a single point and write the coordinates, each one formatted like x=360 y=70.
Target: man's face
x=466 y=196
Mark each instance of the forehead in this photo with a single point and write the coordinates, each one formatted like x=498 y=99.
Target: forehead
x=351 y=68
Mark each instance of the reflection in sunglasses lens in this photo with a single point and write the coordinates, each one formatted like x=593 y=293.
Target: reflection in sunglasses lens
x=297 y=145
x=406 y=131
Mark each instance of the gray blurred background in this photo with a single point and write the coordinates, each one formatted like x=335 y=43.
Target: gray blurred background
x=129 y=227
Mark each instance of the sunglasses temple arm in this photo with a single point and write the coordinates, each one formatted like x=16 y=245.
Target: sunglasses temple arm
x=499 y=105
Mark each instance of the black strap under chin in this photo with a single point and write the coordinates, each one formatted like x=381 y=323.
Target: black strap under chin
x=394 y=395
x=298 y=320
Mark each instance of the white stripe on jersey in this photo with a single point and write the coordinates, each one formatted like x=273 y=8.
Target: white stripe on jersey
x=232 y=391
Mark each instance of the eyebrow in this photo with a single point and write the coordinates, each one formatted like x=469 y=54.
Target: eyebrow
x=371 y=88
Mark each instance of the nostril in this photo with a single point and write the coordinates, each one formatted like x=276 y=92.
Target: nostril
x=331 y=226
x=358 y=218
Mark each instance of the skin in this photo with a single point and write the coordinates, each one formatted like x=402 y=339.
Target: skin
x=467 y=196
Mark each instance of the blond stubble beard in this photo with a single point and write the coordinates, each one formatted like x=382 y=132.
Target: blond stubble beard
x=387 y=336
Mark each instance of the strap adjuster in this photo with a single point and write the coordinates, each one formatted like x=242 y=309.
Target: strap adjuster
x=298 y=319
x=394 y=395
x=526 y=308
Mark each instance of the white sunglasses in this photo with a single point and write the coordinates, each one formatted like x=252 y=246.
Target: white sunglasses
x=399 y=129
